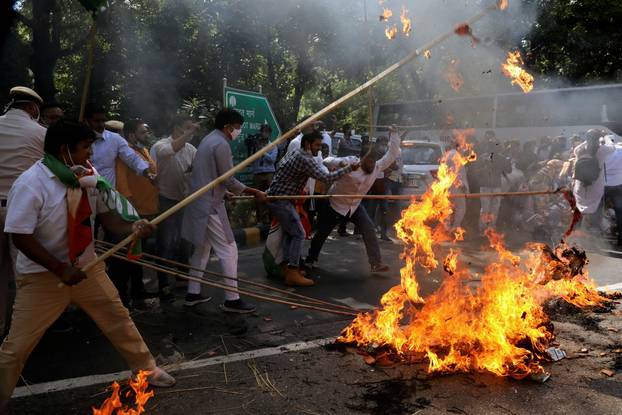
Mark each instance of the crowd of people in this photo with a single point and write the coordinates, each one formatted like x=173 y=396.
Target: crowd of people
x=64 y=183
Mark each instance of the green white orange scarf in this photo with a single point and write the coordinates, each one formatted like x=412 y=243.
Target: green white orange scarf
x=80 y=232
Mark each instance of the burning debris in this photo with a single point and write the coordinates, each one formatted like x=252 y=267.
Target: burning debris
x=499 y=327
x=113 y=405
x=391 y=32
x=386 y=14
x=406 y=23
x=427 y=54
x=465 y=30
x=453 y=76
x=512 y=69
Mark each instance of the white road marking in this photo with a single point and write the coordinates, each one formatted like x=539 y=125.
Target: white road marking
x=65 y=384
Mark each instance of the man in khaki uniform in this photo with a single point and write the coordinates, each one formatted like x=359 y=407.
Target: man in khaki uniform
x=21 y=145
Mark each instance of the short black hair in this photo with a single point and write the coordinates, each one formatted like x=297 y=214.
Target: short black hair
x=179 y=119
x=227 y=116
x=130 y=126
x=51 y=104
x=91 y=109
x=66 y=132
x=310 y=138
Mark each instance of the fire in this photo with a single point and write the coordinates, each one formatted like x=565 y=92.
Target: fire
x=113 y=403
x=512 y=69
x=502 y=4
x=406 y=23
x=427 y=53
x=386 y=14
x=499 y=326
x=391 y=32
x=453 y=76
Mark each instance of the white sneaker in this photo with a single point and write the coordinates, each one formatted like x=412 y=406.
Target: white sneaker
x=159 y=378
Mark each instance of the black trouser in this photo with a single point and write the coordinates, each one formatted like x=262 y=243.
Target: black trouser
x=329 y=218
x=122 y=272
x=169 y=243
x=614 y=195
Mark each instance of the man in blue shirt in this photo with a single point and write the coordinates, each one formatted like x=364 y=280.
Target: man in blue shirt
x=263 y=169
x=109 y=146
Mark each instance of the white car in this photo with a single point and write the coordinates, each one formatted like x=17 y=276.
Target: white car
x=421 y=160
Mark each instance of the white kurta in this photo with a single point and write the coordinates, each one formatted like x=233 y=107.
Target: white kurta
x=589 y=197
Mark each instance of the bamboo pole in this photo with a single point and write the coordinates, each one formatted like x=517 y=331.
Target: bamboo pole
x=239 y=291
x=89 y=69
x=411 y=197
x=326 y=110
x=245 y=281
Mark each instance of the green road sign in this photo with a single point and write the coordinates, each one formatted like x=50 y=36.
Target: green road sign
x=256 y=110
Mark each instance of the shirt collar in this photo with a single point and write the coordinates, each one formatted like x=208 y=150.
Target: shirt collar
x=18 y=112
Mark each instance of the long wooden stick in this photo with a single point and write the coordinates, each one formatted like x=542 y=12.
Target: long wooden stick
x=242 y=280
x=236 y=290
x=326 y=110
x=410 y=197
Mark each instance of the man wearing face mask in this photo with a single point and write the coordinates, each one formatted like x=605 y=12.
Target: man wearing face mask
x=52 y=208
x=337 y=211
x=109 y=146
x=21 y=145
x=205 y=222
x=290 y=178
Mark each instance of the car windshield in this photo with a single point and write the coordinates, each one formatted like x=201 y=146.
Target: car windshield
x=421 y=154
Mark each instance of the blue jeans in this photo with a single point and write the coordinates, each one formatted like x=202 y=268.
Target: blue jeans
x=291 y=226
x=327 y=221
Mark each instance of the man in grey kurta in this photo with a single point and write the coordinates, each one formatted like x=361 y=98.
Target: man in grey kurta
x=206 y=224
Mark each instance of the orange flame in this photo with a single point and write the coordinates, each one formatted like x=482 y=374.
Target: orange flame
x=498 y=327
x=427 y=53
x=113 y=403
x=391 y=32
x=453 y=76
x=406 y=23
x=512 y=69
x=386 y=14
x=502 y=4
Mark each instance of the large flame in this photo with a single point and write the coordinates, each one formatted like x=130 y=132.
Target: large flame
x=113 y=403
x=498 y=327
x=512 y=69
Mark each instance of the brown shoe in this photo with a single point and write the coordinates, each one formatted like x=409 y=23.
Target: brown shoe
x=293 y=277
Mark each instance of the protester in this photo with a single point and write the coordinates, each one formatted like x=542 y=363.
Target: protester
x=491 y=164
x=263 y=169
x=173 y=156
x=109 y=146
x=589 y=176
x=51 y=113
x=21 y=145
x=292 y=174
x=51 y=210
x=356 y=183
x=143 y=195
x=613 y=186
x=205 y=222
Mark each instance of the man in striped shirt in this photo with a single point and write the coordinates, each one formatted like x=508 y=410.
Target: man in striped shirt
x=290 y=178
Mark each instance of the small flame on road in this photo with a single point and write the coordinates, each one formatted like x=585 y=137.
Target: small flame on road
x=391 y=32
x=112 y=405
x=512 y=69
x=502 y=4
x=406 y=23
x=386 y=14
x=427 y=53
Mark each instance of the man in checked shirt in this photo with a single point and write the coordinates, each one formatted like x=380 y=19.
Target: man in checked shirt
x=290 y=178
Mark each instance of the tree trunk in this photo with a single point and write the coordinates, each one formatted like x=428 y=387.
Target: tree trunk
x=45 y=24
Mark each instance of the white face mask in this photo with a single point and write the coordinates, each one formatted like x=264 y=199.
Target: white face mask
x=235 y=133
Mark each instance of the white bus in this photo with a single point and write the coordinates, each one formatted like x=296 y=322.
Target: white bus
x=513 y=116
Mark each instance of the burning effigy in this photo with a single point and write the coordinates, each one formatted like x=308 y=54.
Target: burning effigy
x=499 y=326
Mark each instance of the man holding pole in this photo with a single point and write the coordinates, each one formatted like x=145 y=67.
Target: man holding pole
x=51 y=210
x=292 y=175
x=341 y=210
x=205 y=222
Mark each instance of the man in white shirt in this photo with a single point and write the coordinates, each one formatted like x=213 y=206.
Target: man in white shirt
x=356 y=183
x=21 y=145
x=51 y=210
x=613 y=185
x=173 y=155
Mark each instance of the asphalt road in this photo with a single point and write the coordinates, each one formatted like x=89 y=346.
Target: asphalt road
x=177 y=334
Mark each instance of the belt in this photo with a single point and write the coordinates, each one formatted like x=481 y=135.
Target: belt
x=2 y=202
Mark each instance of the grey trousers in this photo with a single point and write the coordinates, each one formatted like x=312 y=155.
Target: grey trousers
x=293 y=232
